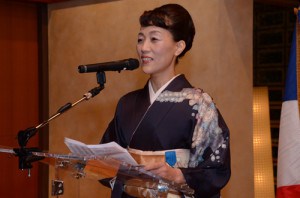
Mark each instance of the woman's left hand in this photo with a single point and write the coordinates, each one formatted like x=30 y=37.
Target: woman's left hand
x=164 y=170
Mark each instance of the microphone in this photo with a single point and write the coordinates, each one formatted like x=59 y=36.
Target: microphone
x=126 y=64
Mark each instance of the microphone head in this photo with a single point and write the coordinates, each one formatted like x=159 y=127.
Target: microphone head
x=126 y=64
x=132 y=64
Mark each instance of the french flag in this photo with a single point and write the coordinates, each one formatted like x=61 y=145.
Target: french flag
x=288 y=168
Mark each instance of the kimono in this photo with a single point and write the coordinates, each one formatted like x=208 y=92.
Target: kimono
x=182 y=117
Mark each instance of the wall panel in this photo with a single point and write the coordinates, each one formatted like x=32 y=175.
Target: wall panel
x=19 y=92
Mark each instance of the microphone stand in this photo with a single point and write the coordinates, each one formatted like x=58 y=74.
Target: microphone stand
x=25 y=154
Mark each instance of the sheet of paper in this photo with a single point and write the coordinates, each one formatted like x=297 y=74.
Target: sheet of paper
x=111 y=149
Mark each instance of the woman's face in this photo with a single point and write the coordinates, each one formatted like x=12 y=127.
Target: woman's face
x=157 y=50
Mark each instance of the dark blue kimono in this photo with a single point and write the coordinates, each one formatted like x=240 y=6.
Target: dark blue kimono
x=182 y=117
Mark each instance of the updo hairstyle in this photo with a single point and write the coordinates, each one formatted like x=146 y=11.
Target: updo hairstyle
x=174 y=18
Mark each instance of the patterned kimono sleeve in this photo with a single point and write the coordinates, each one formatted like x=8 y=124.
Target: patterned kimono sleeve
x=209 y=164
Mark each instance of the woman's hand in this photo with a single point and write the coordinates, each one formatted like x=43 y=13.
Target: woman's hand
x=164 y=170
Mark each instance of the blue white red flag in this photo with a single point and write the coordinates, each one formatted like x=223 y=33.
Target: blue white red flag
x=288 y=168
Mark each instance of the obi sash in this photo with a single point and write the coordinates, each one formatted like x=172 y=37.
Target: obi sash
x=144 y=157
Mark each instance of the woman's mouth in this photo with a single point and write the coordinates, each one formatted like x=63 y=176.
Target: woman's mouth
x=146 y=60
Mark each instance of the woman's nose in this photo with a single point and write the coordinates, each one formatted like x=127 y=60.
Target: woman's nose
x=145 y=46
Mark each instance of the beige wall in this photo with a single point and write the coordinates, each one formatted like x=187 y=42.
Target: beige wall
x=220 y=62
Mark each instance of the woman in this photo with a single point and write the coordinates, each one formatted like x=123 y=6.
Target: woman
x=168 y=116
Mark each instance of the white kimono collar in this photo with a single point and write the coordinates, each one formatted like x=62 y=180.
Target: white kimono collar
x=153 y=95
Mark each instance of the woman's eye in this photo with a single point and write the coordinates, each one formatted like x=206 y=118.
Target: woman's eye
x=154 y=39
x=139 y=40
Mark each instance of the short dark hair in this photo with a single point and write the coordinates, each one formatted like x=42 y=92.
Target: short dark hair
x=174 y=18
